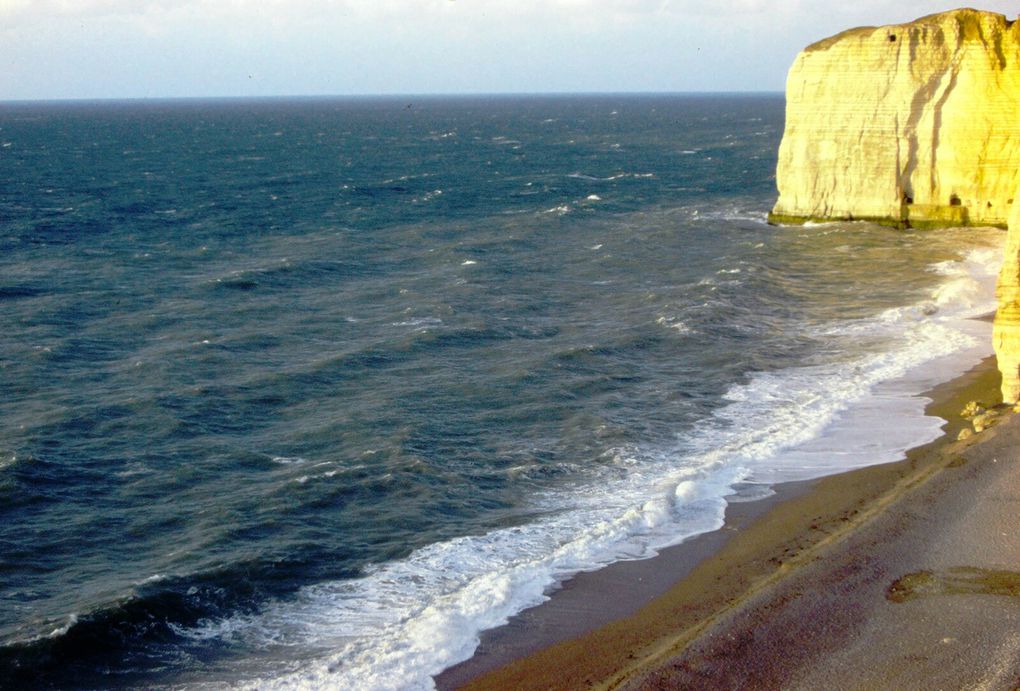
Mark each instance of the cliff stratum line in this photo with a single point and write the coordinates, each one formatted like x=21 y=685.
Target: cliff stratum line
x=912 y=125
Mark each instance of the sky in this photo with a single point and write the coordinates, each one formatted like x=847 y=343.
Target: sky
x=52 y=49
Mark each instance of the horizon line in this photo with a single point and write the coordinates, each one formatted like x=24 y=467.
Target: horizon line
x=380 y=96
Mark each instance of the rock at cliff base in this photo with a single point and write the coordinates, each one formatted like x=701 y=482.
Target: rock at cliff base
x=972 y=409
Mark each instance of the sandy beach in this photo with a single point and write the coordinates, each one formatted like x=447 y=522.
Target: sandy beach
x=894 y=576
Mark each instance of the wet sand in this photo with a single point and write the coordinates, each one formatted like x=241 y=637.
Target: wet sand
x=901 y=575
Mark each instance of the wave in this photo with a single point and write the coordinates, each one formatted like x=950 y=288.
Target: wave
x=143 y=626
x=16 y=292
x=611 y=178
x=399 y=623
x=559 y=210
x=420 y=322
x=678 y=325
x=405 y=621
x=409 y=620
x=8 y=459
x=734 y=213
x=428 y=196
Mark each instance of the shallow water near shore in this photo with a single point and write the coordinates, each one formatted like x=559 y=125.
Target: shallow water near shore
x=311 y=392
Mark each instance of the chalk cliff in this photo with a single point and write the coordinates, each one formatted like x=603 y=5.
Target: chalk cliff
x=1006 y=331
x=915 y=124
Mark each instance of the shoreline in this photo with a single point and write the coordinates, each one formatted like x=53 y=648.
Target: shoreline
x=601 y=628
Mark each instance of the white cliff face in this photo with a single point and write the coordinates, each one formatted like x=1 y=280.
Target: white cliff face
x=915 y=124
x=1006 y=331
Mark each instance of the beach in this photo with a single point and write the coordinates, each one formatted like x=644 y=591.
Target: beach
x=892 y=576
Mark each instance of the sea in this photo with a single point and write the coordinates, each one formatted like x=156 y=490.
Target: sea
x=307 y=393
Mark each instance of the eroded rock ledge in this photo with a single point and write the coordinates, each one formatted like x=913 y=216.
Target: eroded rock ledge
x=913 y=125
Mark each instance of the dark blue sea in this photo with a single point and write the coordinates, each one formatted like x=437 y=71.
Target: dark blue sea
x=308 y=393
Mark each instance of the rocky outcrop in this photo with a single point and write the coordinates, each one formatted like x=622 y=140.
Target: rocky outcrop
x=910 y=125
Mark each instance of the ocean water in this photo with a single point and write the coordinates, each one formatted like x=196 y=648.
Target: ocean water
x=307 y=393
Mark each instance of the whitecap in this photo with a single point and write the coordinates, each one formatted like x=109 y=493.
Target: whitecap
x=419 y=322
x=560 y=210
x=303 y=479
x=736 y=214
x=677 y=325
x=62 y=630
x=154 y=578
x=609 y=178
x=289 y=460
x=428 y=196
